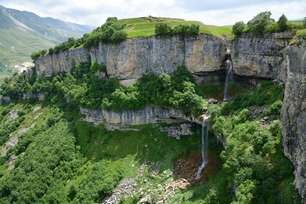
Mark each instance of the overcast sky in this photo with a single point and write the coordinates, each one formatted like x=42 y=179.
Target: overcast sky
x=219 y=12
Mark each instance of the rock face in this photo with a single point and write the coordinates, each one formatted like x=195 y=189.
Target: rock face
x=294 y=115
x=149 y=114
x=129 y=60
x=132 y=58
x=260 y=56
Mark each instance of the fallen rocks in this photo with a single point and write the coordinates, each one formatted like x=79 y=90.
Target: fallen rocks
x=176 y=132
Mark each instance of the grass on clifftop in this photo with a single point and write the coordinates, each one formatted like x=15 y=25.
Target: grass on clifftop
x=145 y=26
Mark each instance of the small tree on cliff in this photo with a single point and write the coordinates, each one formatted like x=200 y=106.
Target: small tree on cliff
x=163 y=29
x=238 y=28
x=282 y=23
x=259 y=23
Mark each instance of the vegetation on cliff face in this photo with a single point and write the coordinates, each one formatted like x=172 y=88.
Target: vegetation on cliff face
x=84 y=87
x=61 y=159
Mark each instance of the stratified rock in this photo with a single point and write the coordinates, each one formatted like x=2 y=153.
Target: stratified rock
x=148 y=115
x=134 y=57
x=260 y=56
x=294 y=115
x=178 y=131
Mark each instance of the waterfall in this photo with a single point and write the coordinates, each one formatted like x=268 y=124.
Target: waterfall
x=204 y=146
x=229 y=73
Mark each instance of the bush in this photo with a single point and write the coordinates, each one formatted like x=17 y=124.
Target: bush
x=259 y=23
x=163 y=29
x=301 y=34
x=36 y=55
x=282 y=23
x=118 y=36
x=239 y=28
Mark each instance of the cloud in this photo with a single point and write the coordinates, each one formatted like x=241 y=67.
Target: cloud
x=220 y=12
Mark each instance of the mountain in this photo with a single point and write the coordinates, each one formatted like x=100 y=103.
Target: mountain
x=22 y=32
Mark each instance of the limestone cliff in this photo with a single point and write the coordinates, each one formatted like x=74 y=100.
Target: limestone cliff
x=260 y=56
x=132 y=58
x=263 y=57
x=294 y=114
x=148 y=115
x=129 y=60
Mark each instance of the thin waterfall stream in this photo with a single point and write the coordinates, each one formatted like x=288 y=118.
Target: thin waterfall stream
x=204 y=146
x=229 y=76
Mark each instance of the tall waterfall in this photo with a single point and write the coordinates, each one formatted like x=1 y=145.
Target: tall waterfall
x=229 y=76
x=204 y=146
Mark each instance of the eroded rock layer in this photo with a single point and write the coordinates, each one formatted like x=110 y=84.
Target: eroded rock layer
x=294 y=114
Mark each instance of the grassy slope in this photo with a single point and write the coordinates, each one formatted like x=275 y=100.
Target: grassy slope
x=144 y=26
x=14 y=50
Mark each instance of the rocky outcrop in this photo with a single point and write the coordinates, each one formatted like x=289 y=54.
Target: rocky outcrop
x=294 y=114
x=132 y=58
x=129 y=60
x=148 y=115
x=260 y=56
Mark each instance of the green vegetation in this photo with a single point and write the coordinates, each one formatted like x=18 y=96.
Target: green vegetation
x=83 y=87
x=301 y=33
x=263 y=23
x=282 y=23
x=254 y=169
x=62 y=159
x=238 y=28
x=182 y=30
x=115 y=31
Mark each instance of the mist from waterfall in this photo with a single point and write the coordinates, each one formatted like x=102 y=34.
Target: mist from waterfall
x=204 y=147
x=229 y=76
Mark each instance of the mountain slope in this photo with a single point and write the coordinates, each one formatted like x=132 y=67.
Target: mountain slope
x=23 y=32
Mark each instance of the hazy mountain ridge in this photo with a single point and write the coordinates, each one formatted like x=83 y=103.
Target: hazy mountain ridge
x=22 y=32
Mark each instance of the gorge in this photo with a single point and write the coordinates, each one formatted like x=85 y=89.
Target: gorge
x=117 y=101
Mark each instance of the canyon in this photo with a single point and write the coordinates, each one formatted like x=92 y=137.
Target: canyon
x=269 y=57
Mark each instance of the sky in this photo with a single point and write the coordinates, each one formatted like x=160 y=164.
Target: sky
x=217 y=12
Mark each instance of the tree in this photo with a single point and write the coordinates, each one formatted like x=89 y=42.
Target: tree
x=238 y=28
x=258 y=24
x=163 y=29
x=304 y=22
x=282 y=23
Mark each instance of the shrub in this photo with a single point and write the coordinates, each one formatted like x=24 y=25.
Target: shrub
x=163 y=29
x=282 y=23
x=239 y=28
x=301 y=33
x=118 y=36
x=36 y=55
x=272 y=28
x=258 y=24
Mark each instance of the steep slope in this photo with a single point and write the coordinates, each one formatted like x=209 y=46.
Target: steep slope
x=21 y=33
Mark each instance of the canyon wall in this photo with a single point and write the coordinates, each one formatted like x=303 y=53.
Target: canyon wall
x=267 y=57
x=129 y=60
x=132 y=58
x=260 y=56
x=294 y=114
x=147 y=115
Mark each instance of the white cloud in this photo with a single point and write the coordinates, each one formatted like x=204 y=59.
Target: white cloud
x=94 y=12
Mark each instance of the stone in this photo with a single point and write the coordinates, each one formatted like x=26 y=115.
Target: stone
x=212 y=101
x=177 y=132
x=131 y=59
x=148 y=115
x=294 y=115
